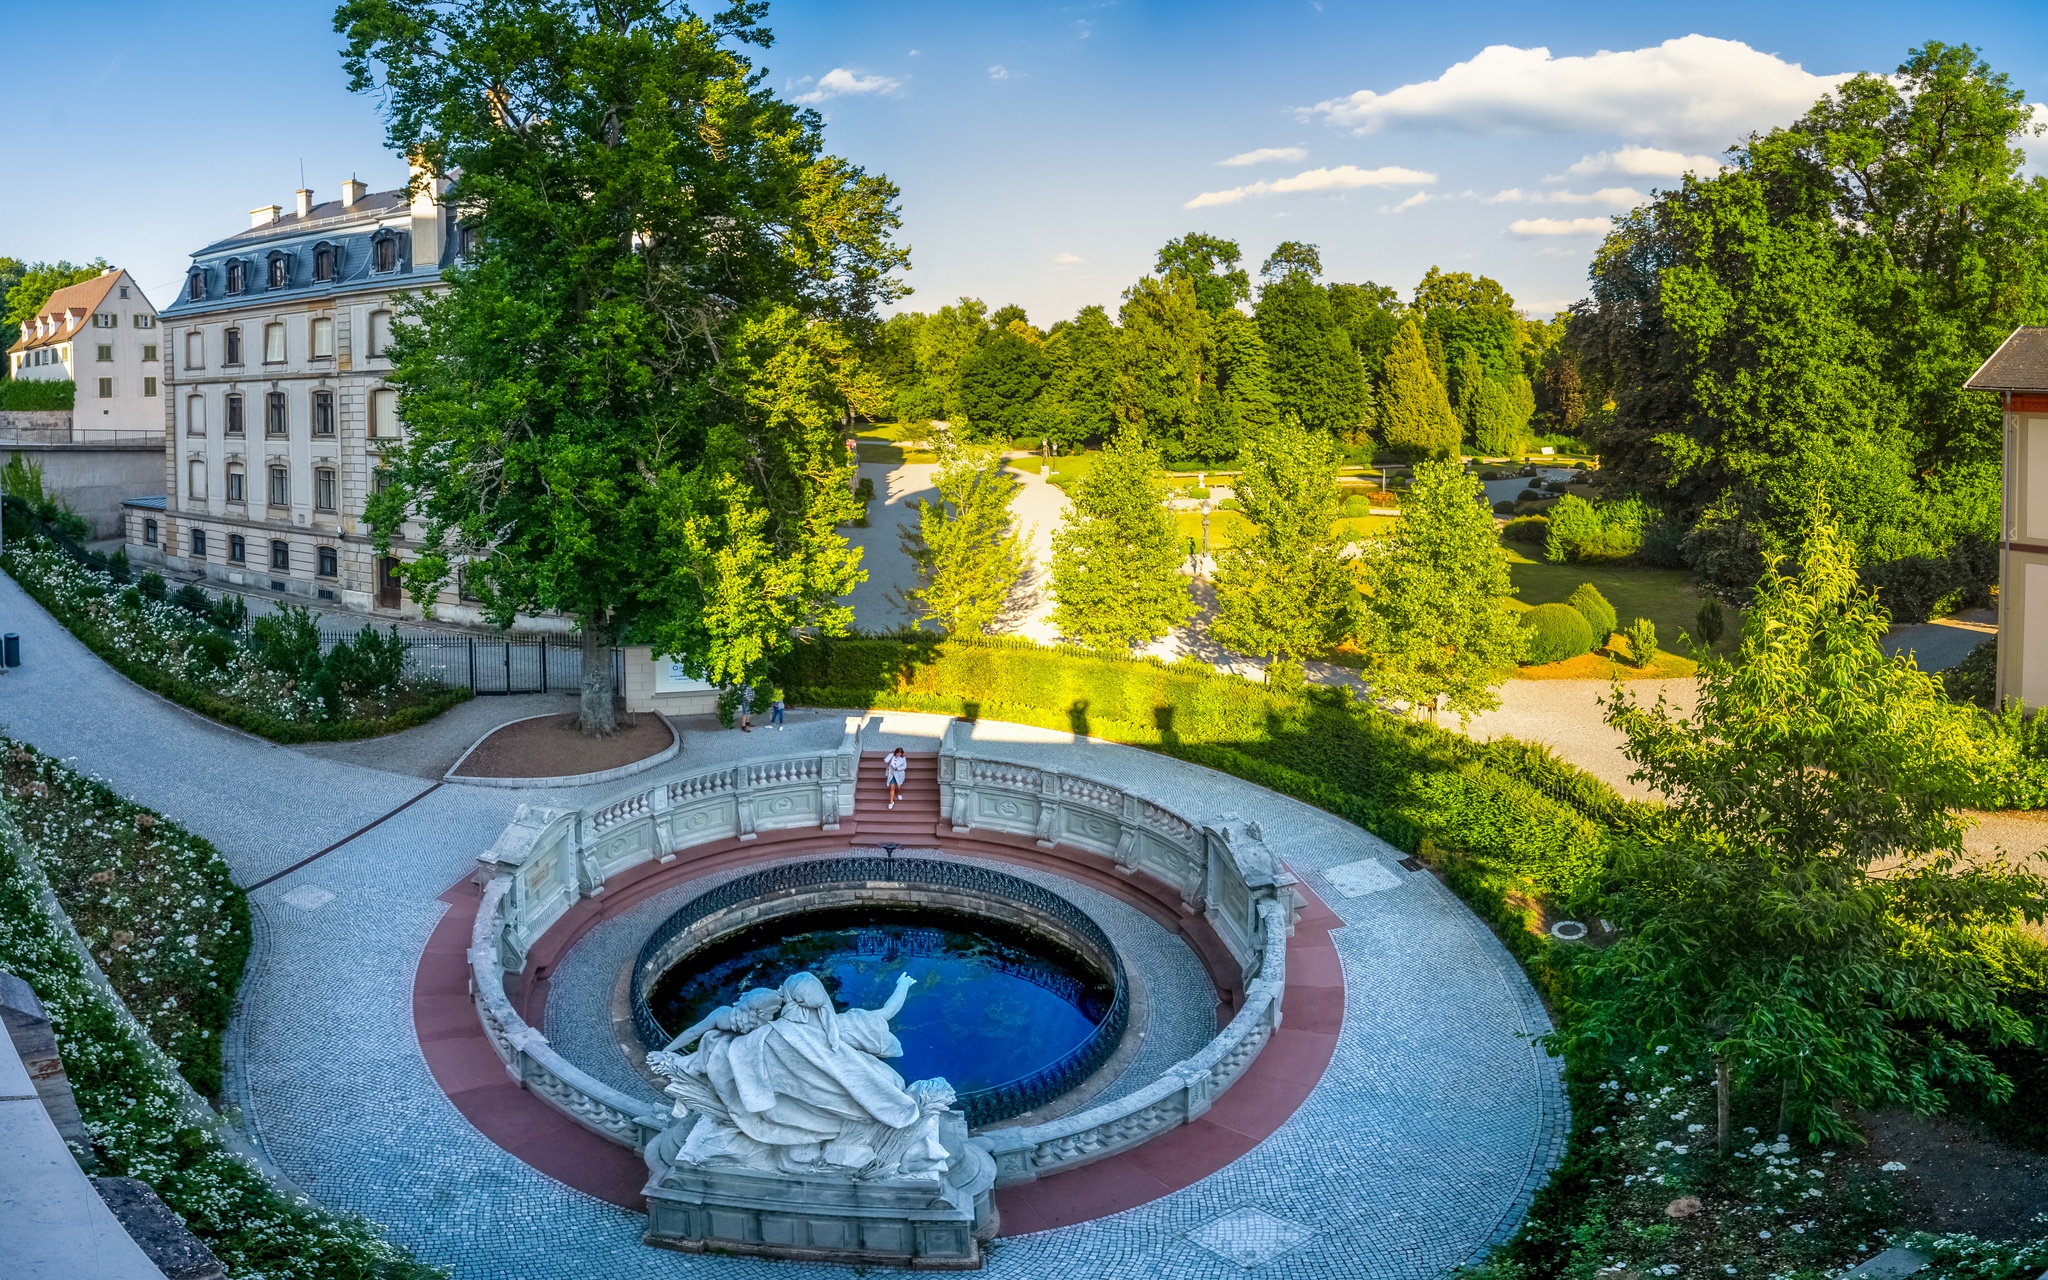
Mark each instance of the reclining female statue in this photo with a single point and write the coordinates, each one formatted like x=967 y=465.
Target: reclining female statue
x=783 y=1081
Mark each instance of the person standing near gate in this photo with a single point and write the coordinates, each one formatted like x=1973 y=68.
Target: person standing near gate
x=897 y=763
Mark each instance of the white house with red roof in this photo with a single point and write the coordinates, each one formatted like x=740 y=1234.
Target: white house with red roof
x=101 y=335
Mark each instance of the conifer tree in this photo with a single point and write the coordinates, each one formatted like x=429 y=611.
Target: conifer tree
x=968 y=552
x=1435 y=621
x=1414 y=414
x=1116 y=577
x=1497 y=420
x=1282 y=593
x=1315 y=375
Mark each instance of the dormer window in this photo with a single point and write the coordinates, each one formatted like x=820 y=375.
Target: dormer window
x=280 y=270
x=323 y=262
x=465 y=241
x=195 y=285
x=384 y=251
x=235 y=281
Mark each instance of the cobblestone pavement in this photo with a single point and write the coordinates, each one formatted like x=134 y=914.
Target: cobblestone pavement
x=1424 y=1140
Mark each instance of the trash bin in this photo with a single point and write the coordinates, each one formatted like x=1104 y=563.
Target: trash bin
x=10 y=649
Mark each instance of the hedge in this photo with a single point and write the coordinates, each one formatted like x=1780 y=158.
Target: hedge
x=1556 y=632
x=1515 y=807
x=1599 y=614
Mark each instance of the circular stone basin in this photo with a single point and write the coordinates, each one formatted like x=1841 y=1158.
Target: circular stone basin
x=992 y=1004
x=1020 y=996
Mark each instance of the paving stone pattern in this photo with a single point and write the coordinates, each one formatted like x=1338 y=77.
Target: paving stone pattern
x=1181 y=1004
x=1422 y=1143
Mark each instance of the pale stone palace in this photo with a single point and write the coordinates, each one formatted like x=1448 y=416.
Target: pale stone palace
x=275 y=406
x=101 y=335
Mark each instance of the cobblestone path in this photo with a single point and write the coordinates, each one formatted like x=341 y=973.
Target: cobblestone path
x=1422 y=1142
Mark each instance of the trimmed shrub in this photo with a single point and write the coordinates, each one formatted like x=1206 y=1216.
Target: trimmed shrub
x=1556 y=632
x=1533 y=530
x=1518 y=810
x=1599 y=614
x=1642 y=641
x=1710 y=622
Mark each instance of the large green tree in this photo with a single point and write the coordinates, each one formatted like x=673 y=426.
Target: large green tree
x=926 y=353
x=1001 y=381
x=1415 y=415
x=1807 y=920
x=1116 y=561
x=1080 y=399
x=1434 y=618
x=1282 y=592
x=596 y=418
x=1802 y=324
x=1210 y=262
x=26 y=286
x=1315 y=375
x=1167 y=345
x=968 y=552
x=1370 y=314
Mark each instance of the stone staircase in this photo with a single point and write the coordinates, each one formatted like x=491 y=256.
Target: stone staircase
x=915 y=819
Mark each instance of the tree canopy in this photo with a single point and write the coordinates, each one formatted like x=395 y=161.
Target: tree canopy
x=624 y=406
x=1282 y=593
x=1116 y=562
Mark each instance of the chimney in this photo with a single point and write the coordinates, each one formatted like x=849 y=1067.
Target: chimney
x=264 y=215
x=305 y=201
x=352 y=191
x=429 y=221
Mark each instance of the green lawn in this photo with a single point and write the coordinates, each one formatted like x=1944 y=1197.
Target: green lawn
x=1664 y=596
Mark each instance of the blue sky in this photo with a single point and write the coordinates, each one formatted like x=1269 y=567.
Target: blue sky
x=1044 y=150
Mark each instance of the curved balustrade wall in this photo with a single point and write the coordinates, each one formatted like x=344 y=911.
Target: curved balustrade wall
x=547 y=860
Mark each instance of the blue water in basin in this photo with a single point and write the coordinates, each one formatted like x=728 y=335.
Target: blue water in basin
x=992 y=1003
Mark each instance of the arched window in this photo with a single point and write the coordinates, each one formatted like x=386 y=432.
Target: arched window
x=383 y=414
x=380 y=333
x=234 y=274
x=280 y=269
x=384 y=251
x=195 y=284
x=325 y=261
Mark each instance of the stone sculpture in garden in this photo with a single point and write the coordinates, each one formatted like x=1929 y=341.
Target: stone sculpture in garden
x=782 y=1082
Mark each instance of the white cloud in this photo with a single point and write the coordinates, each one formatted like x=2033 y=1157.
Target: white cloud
x=1265 y=154
x=1641 y=162
x=1625 y=197
x=1345 y=177
x=1000 y=72
x=1693 y=89
x=839 y=82
x=1559 y=226
x=1068 y=259
x=1420 y=197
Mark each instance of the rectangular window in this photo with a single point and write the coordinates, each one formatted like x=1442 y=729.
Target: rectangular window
x=273 y=344
x=231 y=347
x=195 y=350
x=144 y=321
x=380 y=333
x=323 y=488
x=323 y=413
x=237 y=487
x=385 y=254
x=106 y=320
x=275 y=421
x=281 y=556
x=383 y=414
x=238 y=548
x=149 y=353
x=106 y=388
x=280 y=487
x=149 y=532
x=322 y=344
x=199 y=544
x=103 y=352
x=195 y=416
x=380 y=480
x=235 y=419
x=149 y=386
x=195 y=480
x=329 y=563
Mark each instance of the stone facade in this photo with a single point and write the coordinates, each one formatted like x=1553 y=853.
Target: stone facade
x=277 y=412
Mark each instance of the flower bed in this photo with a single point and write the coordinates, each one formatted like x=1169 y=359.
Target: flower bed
x=132 y=1105
x=168 y=650
x=155 y=903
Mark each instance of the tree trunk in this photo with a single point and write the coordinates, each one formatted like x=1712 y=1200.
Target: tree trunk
x=1722 y=1137
x=598 y=719
x=1784 y=1105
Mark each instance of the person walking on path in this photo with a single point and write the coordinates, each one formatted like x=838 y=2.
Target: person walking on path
x=897 y=762
x=775 y=711
x=746 y=708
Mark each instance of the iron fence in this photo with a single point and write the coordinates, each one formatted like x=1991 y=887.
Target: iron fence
x=485 y=664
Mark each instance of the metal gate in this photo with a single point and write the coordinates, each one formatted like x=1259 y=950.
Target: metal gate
x=488 y=664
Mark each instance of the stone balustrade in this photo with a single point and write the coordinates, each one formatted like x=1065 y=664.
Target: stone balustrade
x=547 y=860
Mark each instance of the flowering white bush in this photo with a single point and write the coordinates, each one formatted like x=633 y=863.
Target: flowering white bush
x=160 y=636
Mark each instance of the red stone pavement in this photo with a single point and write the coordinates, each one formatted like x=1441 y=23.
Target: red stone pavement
x=468 y=1070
